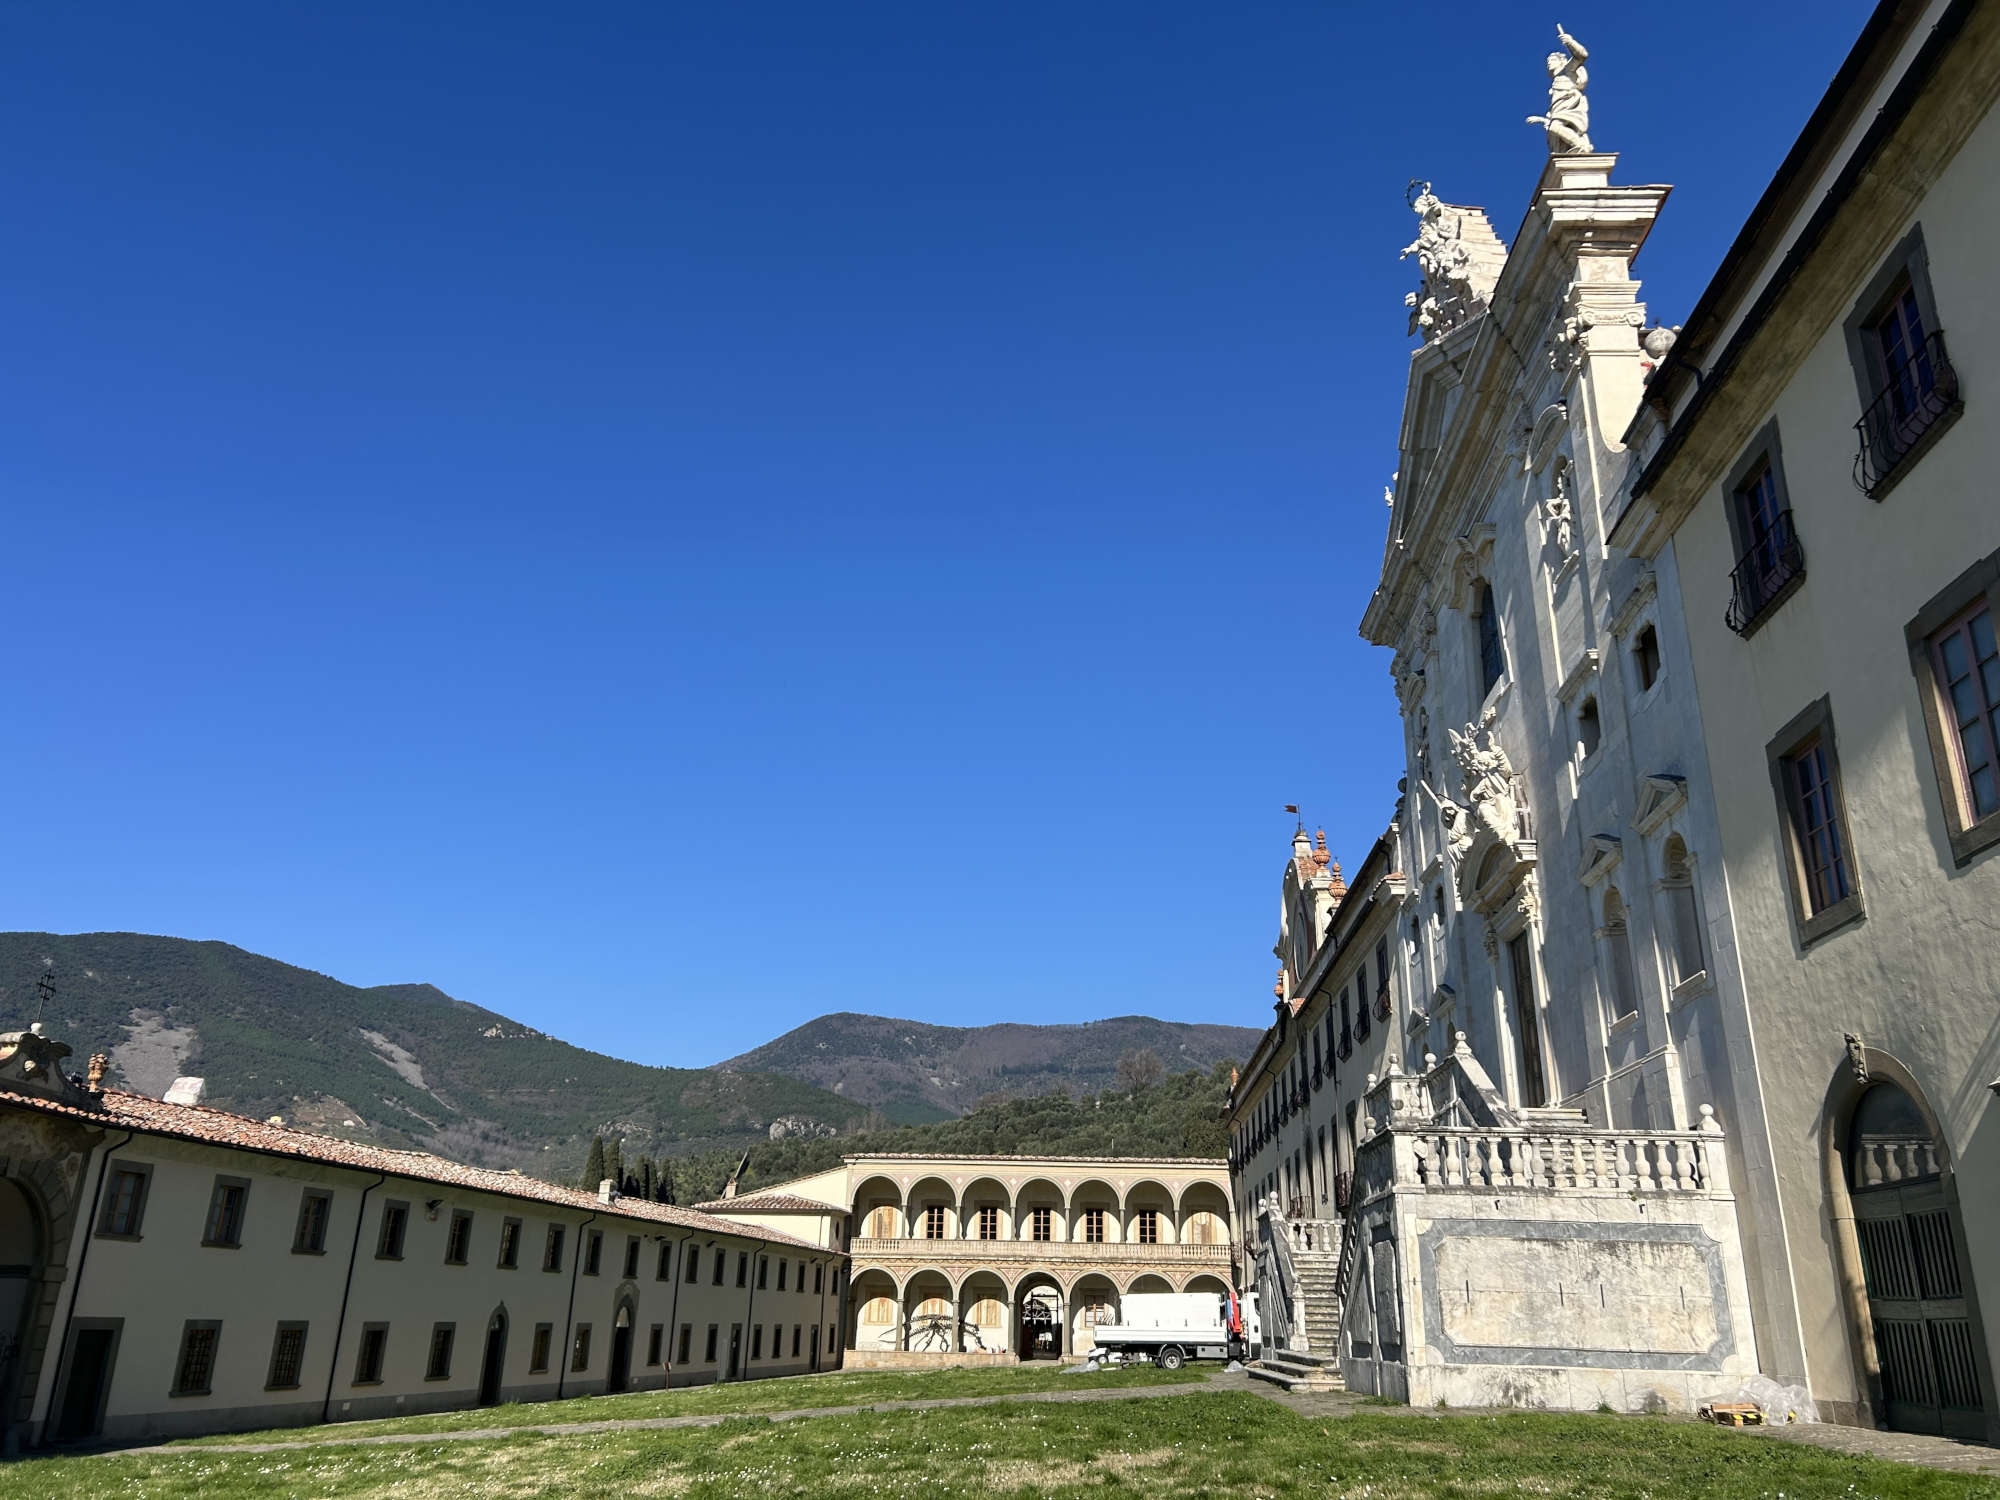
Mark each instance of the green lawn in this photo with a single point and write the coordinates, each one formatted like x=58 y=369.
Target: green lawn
x=1221 y=1443
x=747 y=1398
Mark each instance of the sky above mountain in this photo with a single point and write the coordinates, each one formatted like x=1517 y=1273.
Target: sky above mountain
x=667 y=520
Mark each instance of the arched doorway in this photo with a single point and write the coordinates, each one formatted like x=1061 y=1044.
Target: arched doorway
x=1038 y=1322
x=493 y=1365
x=619 y=1376
x=1916 y=1280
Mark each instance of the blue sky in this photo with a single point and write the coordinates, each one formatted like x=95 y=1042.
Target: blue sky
x=667 y=520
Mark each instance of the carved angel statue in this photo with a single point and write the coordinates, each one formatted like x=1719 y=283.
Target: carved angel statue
x=1558 y=516
x=1454 y=819
x=1489 y=777
x=1568 y=119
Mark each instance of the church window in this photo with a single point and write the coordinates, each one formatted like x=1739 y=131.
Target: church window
x=1492 y=649
x=1618 y=955
x=1683 y=916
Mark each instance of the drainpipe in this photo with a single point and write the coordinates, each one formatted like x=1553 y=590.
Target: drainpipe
x=749 y=1308
x=89 y=1228
x=340 y=1324
x=569 y=1315
x=674 y=1310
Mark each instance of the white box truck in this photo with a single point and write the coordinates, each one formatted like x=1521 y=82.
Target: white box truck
x=1171 y=1328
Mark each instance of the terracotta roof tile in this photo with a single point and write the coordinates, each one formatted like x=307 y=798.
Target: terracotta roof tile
x=771 y=1203
x=216 y=1127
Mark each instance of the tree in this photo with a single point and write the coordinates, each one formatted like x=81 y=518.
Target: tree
x=593 y=1165
x=666 y=1179
x=646 y=1178
x=1140 y=1070
x=614 y=1165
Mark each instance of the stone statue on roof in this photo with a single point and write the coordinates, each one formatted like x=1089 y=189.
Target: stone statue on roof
x=1460 y=258
x=1568 y=119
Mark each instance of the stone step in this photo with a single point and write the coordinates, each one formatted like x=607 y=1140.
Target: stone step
x=1301 y=1373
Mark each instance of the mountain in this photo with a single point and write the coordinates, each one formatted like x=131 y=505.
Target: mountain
x=913 y=1072
x=401 y=1065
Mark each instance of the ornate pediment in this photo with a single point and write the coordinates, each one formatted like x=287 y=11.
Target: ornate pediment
x=1601 y=853
x=1659 y=799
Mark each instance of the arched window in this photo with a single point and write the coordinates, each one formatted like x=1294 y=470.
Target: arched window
x=1618 y=955
x=1492 y=651
x=1683 y=916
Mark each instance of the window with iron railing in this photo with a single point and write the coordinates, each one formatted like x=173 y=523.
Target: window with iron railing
x=1774 y=560
x=1919 y=391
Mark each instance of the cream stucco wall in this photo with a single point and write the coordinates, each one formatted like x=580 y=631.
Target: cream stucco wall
x=1918 y=977
x=151 y=1286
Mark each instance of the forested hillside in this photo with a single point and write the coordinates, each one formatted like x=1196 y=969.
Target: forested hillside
x=404 y=1065
x=913 y=1071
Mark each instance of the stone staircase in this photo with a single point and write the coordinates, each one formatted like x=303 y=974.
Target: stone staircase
x=1319 y=1292
x=1304 y=1374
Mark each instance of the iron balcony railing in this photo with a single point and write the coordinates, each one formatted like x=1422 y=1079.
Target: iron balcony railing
x=1919 y=394
x=1763 y=574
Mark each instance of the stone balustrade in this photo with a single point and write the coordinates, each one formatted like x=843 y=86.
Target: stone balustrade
x=1490 y=1159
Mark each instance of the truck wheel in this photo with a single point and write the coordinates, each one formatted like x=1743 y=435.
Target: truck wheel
x=1171 y=1358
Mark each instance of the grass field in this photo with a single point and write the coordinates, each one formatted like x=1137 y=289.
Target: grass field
x=746 y=1398
x=1221 y=1443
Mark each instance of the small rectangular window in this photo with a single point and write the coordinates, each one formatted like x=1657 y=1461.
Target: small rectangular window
x=783 y=1266
x=757 y=1342
x=288 y=1357
x=579 y=1350
x=692 y=1260
x=593 y=1252
x=1149 y=1226
x=510 y=1244
x=538 y=1350
x=125 y=1201
x=1646 y=657
x=819 y=1271
x=686 y=1344
x=763 y=1272
x=742 y=1268
x=458 y=1239
x=795 y=1340
x=934 y=1222
x=1816 y=825
x=709 y=1357
x=372 y=1355
x=1769 y=558
x=195 y=1368
x=1966 y=661
x=1041 y=1224
x=631 y=1257
x=226 y=1202
x=395 y=1224
x=664 y=1269
x=721 y=1266
x=1093 y=1226
x=552 y=1251
x=654 y=1340
x=315 y=1210
x=438 y=1365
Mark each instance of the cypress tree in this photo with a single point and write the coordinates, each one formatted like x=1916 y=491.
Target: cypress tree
x=667 y=1180
x=593 y=1165
x=614 y=1166
x=646 y=1178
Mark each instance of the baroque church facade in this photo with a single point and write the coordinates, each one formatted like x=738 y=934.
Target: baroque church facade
x=1660 y=943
